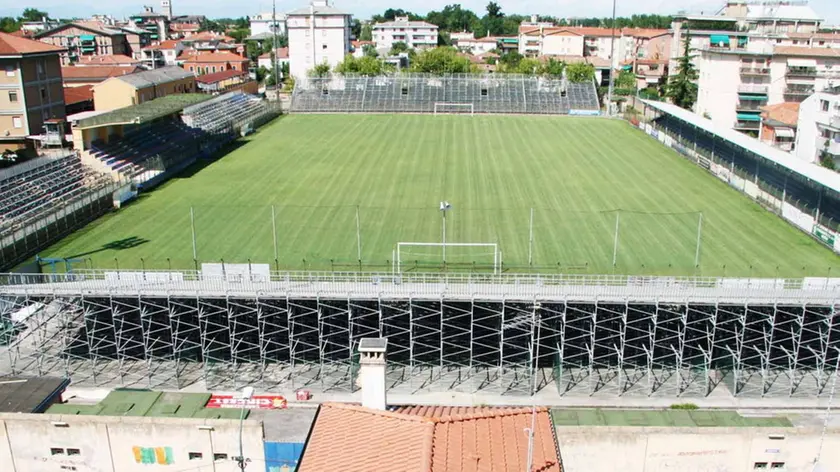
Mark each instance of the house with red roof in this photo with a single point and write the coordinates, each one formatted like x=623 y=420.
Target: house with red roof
x=210 y=62
x=30 y=84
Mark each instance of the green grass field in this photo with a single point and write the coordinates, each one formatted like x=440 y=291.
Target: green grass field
x=576 y=173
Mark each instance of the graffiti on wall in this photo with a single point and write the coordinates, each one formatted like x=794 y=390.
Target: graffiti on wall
x=153 y=455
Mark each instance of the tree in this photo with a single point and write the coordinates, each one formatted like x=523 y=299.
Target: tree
x=9 y=24
x=367 y=33
x=494 y=10
x=369 y=50
x=510 y=60
x=321 y=70
x=626 y=80
x=239 y=35
x=398 y=47
x=826 y=159
x=441 y=60
x=355 y=28
x=681 y=87
x=210 y=25
x=553 y=67
x=33 y=14
x=366 y=65
x=580 y=72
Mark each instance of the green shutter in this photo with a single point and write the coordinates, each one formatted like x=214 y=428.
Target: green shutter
x=749 y=117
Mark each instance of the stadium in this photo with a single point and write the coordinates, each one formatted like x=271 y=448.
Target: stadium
x=499 y=239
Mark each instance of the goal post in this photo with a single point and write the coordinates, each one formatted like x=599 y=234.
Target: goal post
x=446 y=108
x=463 y=253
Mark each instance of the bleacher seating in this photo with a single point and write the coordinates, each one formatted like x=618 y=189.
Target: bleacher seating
x=224 y=111
x=795 y=187
x=420 y=93
x=27 y=195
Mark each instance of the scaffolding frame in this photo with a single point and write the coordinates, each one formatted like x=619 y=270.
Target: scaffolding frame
x=501 y=337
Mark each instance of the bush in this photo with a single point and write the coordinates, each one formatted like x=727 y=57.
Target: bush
x=684 y=406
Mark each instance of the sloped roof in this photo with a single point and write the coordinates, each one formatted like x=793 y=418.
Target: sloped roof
x=155 y=76
x=107 y=60
x=319 y=11
x=215 y=57
x=352 y=438
x=11 y=45
x=91 y=73
x=806 y=52
x=78 y=94
x=593 y=32
x=786 y=113
x=92 y=26
x=788 y=12
x=282 y=53
x=404 y=24
x=209 y=36
x=168 y=44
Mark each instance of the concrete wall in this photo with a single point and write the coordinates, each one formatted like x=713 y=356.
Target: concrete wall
x=637 y=449
x=31 y=443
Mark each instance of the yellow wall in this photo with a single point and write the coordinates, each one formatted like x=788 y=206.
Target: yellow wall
x=114 y=93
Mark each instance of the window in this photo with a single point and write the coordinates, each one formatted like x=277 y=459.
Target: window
x=214 y=68
x=196 y=456
x=324 y=33
x=219 y=456
x=825 y=133
x=760 y=465
x=777 y=465
x=13 y=97
x=404 y=91
x=43 y=93
x=824 y=105
x=323 y=46
x=10 y=70
x=71 y=451
x=56 y=451
x=484 y=92
x=17 y=122
x=40 y=66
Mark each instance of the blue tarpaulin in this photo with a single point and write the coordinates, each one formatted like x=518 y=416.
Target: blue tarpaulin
x=282 y=457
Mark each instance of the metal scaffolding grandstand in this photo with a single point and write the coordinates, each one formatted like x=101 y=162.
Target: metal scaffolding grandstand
x=601 y=336
x=419 y=93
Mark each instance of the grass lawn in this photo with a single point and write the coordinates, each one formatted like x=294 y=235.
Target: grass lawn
x=579 y=175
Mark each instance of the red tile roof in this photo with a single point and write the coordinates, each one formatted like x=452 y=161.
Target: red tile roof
x=91 y=74
x=110 y=60
x=168 y=44
x=78 y=94
x=592 y=32
x=216 y=57
x=11 y=45
x=209 y=36
x=282 y=53
x=786 y=112
x=806 y=51
x=220 y=76
x=352 y=438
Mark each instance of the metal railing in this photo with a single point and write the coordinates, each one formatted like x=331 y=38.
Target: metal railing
x=755 y=70
x=793 y=90
x=801 y=71
x=753 y=88
x=748 y=125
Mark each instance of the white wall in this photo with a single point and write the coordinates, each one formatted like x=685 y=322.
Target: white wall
x=717 y=92
x=106 y=444
x=635 y=449
x=384 y=36
x=812 y=120
x=262 y=24
x=563 y=44
x=307 y=40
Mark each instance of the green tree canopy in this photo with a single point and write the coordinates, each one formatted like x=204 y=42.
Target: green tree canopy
x=441 y=60
x=369 y=50
x=580 y=72
x=33 y=14
x=682 y=86
x=321 y=70
x=398 y=47
x=365 y=65
x=367 y=33
x=626 y=80
x=9 y=24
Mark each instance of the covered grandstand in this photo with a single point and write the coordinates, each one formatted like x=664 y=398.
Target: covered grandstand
x=464 y=93
x=804 y=194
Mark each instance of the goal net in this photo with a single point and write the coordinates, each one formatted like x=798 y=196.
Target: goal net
x=421 y=257
x=454 y=108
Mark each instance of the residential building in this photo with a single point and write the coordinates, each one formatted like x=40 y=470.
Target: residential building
x=156 y=24
x=264 y=24
x=226 y=81
x=162 y=54
x=818 y=128
x=358 y=48
x=477 y=46
x=134 y=89
x=30 y=89
x=415 y=34
x=81 y=39
x=735 y=83
x=318 y=34
x=78 y=99
x=208 y=41
x=207 y=63
x=456 y=36
x=282 y=59
x=543 y=40
x=773 y=17
x=182 y=30
x=75 y=76
x=113 y=60
x=32 y=27
x=136 y=38
x=778 y=125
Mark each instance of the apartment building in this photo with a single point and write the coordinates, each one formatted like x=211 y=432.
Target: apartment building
x=264 y=24
x=773 y=17
x=477 y=46
x=30 y=89
x=318 y=34
x=84 y=39
x=162 y=54
x=818 y=128
x=735 y=84
x=155 y=23
x=208 y=63
x=416 y=34
x=778 y=125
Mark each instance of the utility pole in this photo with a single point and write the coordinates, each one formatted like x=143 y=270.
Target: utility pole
x=274 y=48
x=612 y=62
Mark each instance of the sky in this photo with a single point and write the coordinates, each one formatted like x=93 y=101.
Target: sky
x=828 y=9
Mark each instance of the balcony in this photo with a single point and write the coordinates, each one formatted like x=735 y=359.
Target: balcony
x=801 y=72
x=834 y=147
x=741 y=125
x=753 y=88
x=799 y=91
x=755 y=71
x=749 y=105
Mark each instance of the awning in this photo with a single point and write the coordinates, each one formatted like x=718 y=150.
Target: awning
x=749 y=117
x=757 y=98
x=718 y=39
x=784 y=133
x=802 y=62
x=87 y=37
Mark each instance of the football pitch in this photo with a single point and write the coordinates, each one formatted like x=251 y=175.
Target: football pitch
x=555 y=194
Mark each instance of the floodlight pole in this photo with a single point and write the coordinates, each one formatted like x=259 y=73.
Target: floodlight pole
x=358 y=235
x=699 y=239
x=531 y=239
x=615 y=241
x=247 y=393
x=192 y=226
x=274 y=229
x=274 y=49
x=827 y=412
x=612 y=61
x=444 y=235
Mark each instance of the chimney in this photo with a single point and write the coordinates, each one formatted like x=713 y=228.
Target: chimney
x=372 y=372
x=534 y=19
